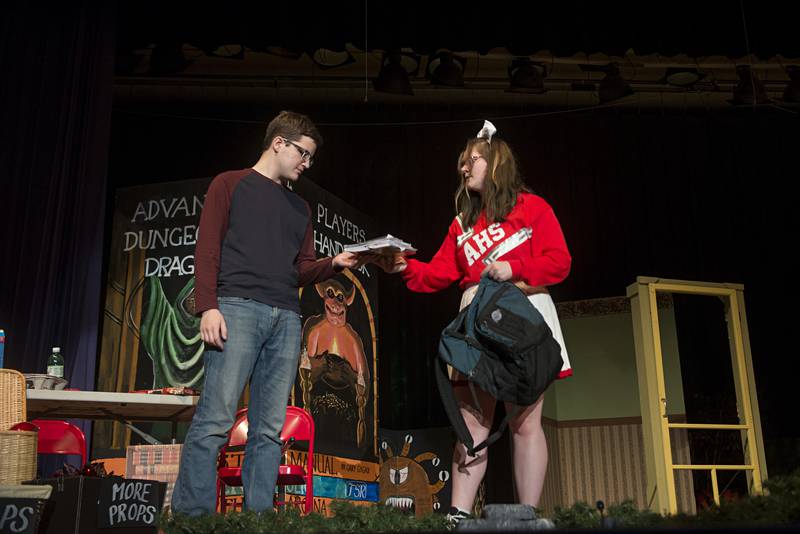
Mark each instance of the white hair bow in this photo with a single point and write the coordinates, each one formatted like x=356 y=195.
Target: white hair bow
x=487 y=131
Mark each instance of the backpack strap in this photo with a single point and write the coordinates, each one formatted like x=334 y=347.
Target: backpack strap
x=496 y=434
x=450 y=405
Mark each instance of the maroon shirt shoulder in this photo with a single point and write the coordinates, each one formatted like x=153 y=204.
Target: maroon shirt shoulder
x=213 y=225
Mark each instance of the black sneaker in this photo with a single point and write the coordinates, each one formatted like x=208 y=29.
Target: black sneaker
x=455 y=516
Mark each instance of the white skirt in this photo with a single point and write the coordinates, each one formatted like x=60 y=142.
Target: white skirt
x=545 y=305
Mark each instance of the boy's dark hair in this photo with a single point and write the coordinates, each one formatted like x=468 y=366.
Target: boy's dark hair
x=291 y=126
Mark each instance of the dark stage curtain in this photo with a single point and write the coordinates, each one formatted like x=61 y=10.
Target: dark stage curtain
x=691 y=194
x=57 y=64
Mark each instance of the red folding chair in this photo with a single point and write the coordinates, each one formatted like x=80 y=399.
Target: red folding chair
x=299 y=426
x=57 y=437
x=231 y=476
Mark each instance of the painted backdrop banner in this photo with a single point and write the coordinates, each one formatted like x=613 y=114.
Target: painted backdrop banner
x=151 y=336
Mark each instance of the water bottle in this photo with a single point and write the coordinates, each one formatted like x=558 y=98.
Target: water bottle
x=55 y=363
x=2 y=346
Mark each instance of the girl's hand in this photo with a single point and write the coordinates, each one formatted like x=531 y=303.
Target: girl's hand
x=499 y=270
x=391 y=264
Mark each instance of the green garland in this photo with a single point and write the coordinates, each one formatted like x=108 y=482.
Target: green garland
x=347 y=518
x=780 y=507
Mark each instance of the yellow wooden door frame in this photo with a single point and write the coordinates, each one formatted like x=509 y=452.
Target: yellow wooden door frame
x=659 y=468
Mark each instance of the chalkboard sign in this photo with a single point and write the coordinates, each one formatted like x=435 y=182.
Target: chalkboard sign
x=19 y=516
x=128 y=503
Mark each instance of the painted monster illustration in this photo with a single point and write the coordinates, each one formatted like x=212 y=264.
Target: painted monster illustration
x=333 y=365
x=404 y=482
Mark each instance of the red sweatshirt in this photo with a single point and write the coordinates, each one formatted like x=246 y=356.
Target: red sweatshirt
x=530 y=240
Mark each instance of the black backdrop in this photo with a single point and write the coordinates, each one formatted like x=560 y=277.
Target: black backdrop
x=696 y=195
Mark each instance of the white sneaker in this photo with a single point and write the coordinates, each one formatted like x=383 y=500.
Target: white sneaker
x=455 y=516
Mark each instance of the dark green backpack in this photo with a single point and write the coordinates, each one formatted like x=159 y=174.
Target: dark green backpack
x=502 y=344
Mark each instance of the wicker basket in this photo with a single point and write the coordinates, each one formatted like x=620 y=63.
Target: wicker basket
x=12 y=398
x=17 y=456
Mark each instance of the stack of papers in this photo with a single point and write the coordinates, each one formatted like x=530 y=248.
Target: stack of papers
x=387 y=244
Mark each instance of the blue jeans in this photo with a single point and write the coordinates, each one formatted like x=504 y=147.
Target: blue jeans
x=263 y=346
